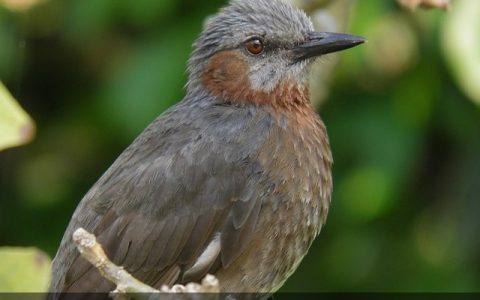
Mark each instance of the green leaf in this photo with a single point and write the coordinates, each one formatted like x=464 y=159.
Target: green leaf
x=461 y=42
x=16 y=127
x=24 y=270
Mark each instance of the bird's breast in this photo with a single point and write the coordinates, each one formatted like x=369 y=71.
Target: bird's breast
x=298 y=159
x=297 y=163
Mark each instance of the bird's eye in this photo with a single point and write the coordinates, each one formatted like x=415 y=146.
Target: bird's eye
x=255 y=46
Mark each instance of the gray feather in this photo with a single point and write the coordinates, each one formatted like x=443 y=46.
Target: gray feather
x=156 y=209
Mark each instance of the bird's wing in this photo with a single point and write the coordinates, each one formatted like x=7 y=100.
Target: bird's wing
x=170 y=195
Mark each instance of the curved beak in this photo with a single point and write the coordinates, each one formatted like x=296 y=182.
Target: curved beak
x=319 y=43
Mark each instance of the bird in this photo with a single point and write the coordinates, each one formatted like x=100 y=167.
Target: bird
x=234 y=180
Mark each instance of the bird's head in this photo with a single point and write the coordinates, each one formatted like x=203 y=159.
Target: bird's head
x=253 y=50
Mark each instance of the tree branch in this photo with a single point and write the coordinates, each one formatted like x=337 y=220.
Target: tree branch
x=412 y=4
x=125 y=283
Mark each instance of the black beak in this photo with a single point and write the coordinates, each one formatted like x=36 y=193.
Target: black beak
x=320 y=43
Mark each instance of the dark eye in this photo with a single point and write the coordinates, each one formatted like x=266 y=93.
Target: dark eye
x=255 y=46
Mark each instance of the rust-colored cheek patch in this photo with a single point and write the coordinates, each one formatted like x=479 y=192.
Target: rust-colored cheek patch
x=226 y=76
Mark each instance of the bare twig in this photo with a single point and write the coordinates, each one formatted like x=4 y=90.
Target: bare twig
x=125 y=283
x=92 y=251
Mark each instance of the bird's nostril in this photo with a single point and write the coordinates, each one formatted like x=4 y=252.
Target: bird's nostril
x=317 y=36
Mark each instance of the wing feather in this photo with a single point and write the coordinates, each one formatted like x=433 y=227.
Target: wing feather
x=163 y=201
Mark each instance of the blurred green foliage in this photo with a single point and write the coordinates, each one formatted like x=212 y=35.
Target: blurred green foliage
x=404 y=129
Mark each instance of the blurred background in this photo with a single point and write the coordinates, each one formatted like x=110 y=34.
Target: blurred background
x=402 y=113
